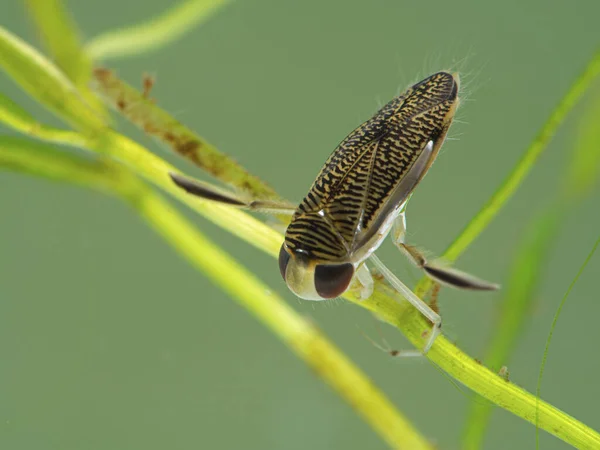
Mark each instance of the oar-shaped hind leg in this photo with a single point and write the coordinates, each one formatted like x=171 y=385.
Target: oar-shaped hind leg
x=213 y=193
x=436 y=271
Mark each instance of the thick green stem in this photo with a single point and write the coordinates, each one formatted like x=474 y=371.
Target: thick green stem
x=477 y=377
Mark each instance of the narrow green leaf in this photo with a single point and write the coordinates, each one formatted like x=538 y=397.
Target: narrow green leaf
x=584 y=170
x=60 y=35
x=155 y=33
x=16 y=117
x=45 y=82
x=24 y=155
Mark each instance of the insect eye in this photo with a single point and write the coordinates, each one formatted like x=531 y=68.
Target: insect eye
x=332 y=280
x=284 y=259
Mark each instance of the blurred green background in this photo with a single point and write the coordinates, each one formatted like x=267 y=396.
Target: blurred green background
x=108 y=339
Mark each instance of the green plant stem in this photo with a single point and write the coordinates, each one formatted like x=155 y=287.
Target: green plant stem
x=46 y=83
x=16 y=117
x=151 y=167
x=474 y=375
x=155 y=33
x=302 y=337
x=59 y=34
x=513 y=311
x=156 y=170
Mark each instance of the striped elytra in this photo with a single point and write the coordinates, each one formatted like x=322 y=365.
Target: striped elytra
x=368 y=176
x=359 y=195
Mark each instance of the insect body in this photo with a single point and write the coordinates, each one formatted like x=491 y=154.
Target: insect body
x=360 y=195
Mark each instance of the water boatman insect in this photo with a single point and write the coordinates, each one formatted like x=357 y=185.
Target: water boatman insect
x=360 y=196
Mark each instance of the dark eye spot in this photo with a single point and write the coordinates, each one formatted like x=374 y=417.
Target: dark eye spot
x=332 y=280
x=284 y=259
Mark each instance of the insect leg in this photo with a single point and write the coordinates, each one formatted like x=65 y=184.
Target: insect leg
x=209 y=192
x=438 y=272
x=409 y=295
x=387 y=348
x=399 y=226
x=365 y=279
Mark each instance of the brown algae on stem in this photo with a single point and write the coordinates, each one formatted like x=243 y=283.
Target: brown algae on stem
x=139 y=108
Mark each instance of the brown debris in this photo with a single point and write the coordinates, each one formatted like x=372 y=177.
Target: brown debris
x=504 y=374
x=147 y=84
x=433 y=298
x=102 y=73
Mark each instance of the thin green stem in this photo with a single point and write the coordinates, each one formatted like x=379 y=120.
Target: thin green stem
x=301 y=336
x=552 y=327
x=61 y=37
x=513 y=312
x=16 y=117
x=511 y=183
x=155 y=33
x=526 y=163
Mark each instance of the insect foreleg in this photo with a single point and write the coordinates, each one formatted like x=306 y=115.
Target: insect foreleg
x=386 y=347
x=209 y=192
x=409 y=295
x=365 y=279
